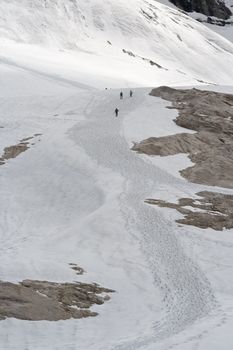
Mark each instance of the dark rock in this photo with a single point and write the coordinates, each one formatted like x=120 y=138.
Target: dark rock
x=216 y=8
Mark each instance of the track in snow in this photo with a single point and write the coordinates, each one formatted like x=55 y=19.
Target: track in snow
x=187 y=295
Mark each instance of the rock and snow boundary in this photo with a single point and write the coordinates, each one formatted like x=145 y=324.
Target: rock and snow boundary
x=210 y=149
x=79 y=197
x=76 y=195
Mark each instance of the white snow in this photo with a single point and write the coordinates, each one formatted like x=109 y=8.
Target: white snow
x=226 y=31
x=77 y=194
x=70 y=39
x=153 y=118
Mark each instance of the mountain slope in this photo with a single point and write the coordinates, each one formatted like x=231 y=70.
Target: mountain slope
x=210 y=17
x=75 y=197
x=207 y=7
x=113 y=39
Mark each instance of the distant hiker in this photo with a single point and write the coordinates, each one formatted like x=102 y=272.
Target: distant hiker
x=131 y=93
x=116 y=112
x=121 y=95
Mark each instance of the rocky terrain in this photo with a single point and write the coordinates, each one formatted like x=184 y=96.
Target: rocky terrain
x=210 y=148
x=214 y=8
x=212 y=209
x=15 y=150
x=42 y=300
x=210 y=114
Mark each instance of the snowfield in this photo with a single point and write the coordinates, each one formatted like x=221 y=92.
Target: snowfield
x=77 y=194
x=84 y=41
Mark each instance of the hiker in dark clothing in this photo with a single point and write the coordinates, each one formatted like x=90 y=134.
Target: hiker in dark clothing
x=131 y=93
x=121 y=95
x=116 y=112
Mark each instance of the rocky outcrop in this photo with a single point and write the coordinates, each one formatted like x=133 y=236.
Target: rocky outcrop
x=211 y=210
x=210 y=114
x=15 y=150
x=148 y=60
x=49 y=301
x=216 y=8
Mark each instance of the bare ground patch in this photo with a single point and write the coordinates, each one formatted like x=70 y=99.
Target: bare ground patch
x=15 y=150
x=210 y=114
x=77 y=269
x=212 y=209
x=42 y=300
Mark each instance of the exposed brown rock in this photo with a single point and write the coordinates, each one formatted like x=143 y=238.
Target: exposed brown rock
x=210 y=114
x=215 y=210
x=15 y=150
x=42 y=300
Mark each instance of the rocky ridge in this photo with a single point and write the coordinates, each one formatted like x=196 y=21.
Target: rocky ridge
x=215 y=8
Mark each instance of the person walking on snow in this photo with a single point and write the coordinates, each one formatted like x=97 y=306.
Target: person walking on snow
x=131 y=93
x=116 y=112
x=121 y=95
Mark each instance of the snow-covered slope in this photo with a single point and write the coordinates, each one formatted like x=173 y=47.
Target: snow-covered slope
x=217 y=24
x=77 y=194
x=161 y=45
